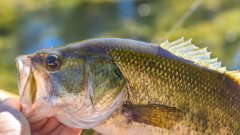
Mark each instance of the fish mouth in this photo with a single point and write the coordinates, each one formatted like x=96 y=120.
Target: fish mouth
x=30 y=80
x=26 y=80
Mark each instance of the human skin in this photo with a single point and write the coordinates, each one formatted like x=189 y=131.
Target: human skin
x=12 y=121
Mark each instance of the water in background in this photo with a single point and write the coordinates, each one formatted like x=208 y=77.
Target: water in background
x=29 y=25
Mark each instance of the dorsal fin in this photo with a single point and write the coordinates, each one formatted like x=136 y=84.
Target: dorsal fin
x=200 y=56
x=187 y=50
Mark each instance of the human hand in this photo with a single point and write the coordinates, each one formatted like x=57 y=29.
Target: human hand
x=51 y=126
x=12 y=121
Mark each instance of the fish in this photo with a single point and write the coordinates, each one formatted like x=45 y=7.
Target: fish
x=122 y=86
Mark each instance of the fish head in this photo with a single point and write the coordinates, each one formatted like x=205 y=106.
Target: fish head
x=80 y=89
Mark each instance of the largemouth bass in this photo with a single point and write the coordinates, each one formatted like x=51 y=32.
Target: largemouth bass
x=121 y=86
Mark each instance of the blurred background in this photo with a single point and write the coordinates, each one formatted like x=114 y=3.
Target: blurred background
x=29 y=25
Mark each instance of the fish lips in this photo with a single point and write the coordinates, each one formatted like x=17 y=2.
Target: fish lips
x=30 y=80
x=23 y=64
x=34 y=102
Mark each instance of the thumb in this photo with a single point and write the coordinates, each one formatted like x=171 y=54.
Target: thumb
x=12 y=121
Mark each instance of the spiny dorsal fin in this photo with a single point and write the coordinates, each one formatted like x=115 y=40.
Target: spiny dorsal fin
x=200 y=56
x=187 y=50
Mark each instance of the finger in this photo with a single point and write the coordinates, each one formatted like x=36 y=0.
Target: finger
x=13 y=103
x=38 y=125
x=51 y=124
x=58 y=130
x=71 y=131
x=11 y=119
x=64 y=130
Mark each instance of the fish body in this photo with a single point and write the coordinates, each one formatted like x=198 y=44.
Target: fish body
x=122 y=86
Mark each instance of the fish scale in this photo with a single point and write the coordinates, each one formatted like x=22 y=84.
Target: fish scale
x=186 y=85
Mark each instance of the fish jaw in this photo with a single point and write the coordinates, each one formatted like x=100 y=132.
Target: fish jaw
x=23 y=67
x=34 y=90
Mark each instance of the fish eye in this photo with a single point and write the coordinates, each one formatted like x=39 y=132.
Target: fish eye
x=52 y=61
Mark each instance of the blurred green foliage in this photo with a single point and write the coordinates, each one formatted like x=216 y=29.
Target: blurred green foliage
x=28 y=25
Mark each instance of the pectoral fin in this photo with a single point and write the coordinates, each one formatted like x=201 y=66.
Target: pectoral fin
x=155 y=115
